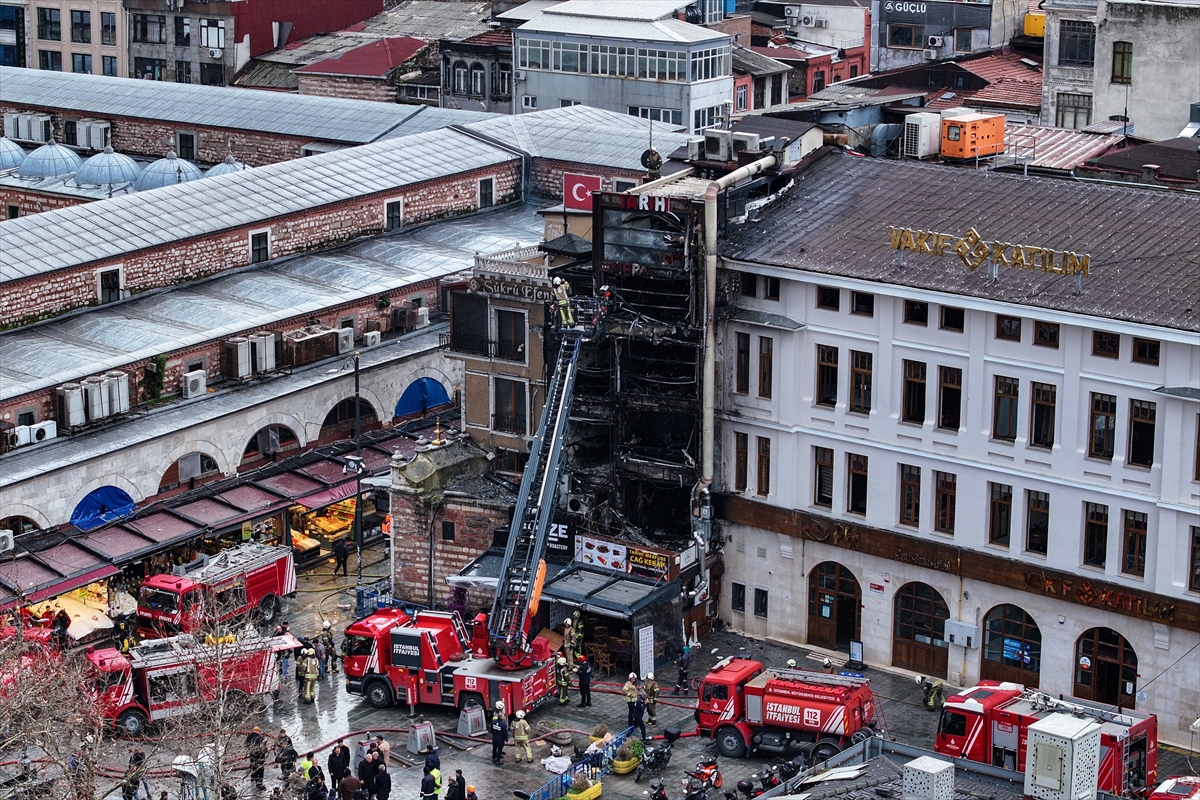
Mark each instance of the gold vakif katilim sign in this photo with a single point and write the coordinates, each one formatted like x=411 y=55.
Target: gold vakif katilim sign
x=973 y=251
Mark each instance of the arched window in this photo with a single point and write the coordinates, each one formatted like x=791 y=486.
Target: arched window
x=268 y=441
x=1012 y=646
x=340 y=419
x=478 y=79
x=189 y=467
x=919 y=629
x=460 y=77
x=18 y=525
x=1106 y=668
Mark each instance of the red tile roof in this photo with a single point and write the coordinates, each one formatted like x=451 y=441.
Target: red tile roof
x=501 y=36
x=374 y=60
x=1012 y=83
x=782 y=53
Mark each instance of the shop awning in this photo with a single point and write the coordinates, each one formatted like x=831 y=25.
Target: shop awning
x=328 y=497
x=484 y=571
x=54 y=588
x=606 y=592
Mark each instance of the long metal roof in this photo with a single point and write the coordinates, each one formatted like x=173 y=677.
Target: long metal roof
x=67 y=237
x=326 y=118
x=114 y=336
x=582 y=135
x=604 y=27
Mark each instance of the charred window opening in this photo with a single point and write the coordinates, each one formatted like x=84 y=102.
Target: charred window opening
x=658 y=369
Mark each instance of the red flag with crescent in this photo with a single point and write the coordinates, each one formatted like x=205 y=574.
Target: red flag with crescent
x=577 y=190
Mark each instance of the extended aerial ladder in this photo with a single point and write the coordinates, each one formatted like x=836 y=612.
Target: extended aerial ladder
x=523 y=569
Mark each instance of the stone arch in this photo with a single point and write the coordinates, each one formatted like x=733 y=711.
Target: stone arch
x=919 y=629
x=102 y=505
x=271 y=438
x=19 y=517
x=834 y=606
x=339 y=421
x=1012 y=646
x=191 y=466
x=110 y=479
x=1105 y=668
x=225 y=463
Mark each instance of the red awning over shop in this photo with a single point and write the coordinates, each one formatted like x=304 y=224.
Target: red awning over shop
x=328 y=497
x=68 y=584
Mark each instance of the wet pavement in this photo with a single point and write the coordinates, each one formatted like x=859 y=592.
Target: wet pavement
x=336 y=714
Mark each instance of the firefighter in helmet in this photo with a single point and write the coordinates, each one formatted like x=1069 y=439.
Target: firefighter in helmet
x=562 y=676
x=562 y=298
x=934 y=694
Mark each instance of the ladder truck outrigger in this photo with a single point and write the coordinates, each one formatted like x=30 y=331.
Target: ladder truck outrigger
x=391 y=657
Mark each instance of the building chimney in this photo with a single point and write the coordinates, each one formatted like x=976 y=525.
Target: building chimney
x=928 y=778
x=1149 y=173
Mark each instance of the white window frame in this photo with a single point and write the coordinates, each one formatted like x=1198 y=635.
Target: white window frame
x=742 y=97
x=206 y=25
x=250 y=245
x=529 y=101
x=120 y=270
x=387 y=202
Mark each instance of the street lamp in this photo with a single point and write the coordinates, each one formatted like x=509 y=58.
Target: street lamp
x=354 y=464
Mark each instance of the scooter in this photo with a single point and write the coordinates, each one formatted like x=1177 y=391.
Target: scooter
x=655 y=759
x=707 y=773
x=693 y=788
x=657 y=791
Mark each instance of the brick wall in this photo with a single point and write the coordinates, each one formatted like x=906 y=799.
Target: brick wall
x=547 y=175
x=31 y=202
x=152 y=138
x=46 y=295
x=212 y=353
x=474 y=523
x=377 y=89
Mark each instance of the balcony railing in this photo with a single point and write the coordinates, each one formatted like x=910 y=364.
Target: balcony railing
x=514 y=263
x=506 y=424
x=483 y=348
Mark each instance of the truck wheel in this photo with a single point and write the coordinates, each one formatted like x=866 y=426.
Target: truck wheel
x=467 y=698
x=824 y=751
x=268 y=609
x=730 y=743
x=237 y=705
x=132 y=723
x=379 y=694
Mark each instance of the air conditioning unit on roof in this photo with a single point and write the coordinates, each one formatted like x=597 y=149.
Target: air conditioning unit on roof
x=821 y=23
x=808 y=22
x=345 y=340
x=930 y=54
x=791 y=11
x=43 y=431
x=195 y=383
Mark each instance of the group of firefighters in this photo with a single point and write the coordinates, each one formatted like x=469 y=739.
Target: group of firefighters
x=314 y=658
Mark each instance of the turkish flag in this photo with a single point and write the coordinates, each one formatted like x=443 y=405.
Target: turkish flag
x=577 y=190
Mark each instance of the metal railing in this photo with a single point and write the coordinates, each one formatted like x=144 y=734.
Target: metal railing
x=484 y=348
x=506 y=424
x=598 y=764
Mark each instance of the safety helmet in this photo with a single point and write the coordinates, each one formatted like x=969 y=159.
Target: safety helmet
x=520 y=715
x=576 y=612
x=633 y=676
x=919 y=679
x=499 y=705
x=562 y=660
x=581 y=658
x=827 y=662
x=326 y=625
x=649 y=676
x=470 y=788
x=558 y=281
x=792 y=663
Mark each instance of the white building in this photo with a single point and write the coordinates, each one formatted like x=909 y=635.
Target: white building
x=632 y=56
x=977 y=468
x=1118 y=59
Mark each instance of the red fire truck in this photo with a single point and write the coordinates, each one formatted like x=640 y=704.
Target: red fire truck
x=1181 y=787
x=248 y=578
x=176 y=676
x=745 y=707
x=989 y=723
x=393 y=658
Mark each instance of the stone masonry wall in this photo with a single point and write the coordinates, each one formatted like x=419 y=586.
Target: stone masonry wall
x=474 y=523
x=547 y=175
x=46 y=295
x=29 y=202
x=375 y=89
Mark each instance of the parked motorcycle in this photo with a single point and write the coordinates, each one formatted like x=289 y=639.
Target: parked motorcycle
x=657 y=791
x=707 y=773
x=655 y=759
x=694 y=788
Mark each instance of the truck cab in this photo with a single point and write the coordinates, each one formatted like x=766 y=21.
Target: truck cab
x=723 y=693
x=111 y=686
x=167 y=605
x=367 y=649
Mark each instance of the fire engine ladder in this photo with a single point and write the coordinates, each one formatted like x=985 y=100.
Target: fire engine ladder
x=531 y=518
x=817 y=678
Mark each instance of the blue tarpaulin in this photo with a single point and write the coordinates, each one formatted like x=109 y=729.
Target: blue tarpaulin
x=420 y=396
x=100 y=506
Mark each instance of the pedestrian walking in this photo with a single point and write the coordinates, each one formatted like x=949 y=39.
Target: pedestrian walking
x=499 y=733
x=562 y=676
x=584 y=670
x=341 y=555
x=137 y=766
x=520 y=734
x=683 y=662
x=428 y=790
x=366 y=772
x=630 y=690
x=348 y=786
x=383 y=783
x=319 y=651
x=385 y=750
x=338 y=762
x=285 y=754
x=256 y=751
x=650 y=689
x=458 y=787
x=639 y=714
x=331 y=654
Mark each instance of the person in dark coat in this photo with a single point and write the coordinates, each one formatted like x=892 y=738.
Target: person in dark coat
x=432 y=759
x=639 y=715
x=256 y=750
x=285 y=754
x=383 y=783
x=457 y=790
x=341 y=554
x=338 y=761
x=683 y=662
x=428 y=788
x=366 y=773
x=584 y=670
x=499 y=734
x=348 y=786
